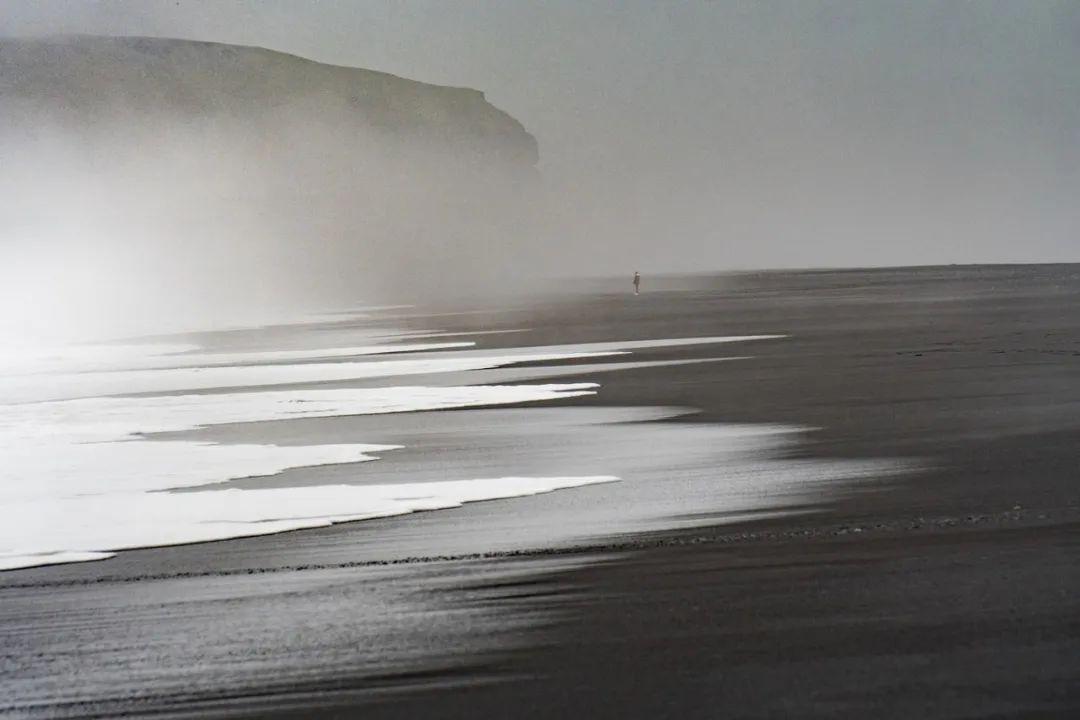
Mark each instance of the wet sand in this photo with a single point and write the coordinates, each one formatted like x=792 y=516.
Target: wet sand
x=950 y=592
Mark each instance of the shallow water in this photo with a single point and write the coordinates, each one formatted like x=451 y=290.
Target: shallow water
x=91 y=437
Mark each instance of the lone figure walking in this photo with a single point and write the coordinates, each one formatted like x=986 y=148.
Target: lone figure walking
x=637 y=283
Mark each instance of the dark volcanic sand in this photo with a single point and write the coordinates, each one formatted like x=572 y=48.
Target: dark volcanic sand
x=952 y=593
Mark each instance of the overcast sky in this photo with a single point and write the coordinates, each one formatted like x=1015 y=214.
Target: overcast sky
x=694 y=135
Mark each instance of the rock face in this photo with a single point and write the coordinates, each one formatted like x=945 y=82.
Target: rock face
x=87 y=81
x=221 y=176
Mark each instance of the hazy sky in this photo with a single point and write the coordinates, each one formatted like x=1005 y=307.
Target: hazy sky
x=694 y=135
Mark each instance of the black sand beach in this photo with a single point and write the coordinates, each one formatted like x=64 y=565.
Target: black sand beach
x=951 y=591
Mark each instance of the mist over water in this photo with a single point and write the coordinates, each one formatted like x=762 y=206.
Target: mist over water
x=707 y=136
x=123 y=215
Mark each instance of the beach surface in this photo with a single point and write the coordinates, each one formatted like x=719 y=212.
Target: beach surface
x=866 y=505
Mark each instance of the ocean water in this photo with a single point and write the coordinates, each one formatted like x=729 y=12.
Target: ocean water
x=92 y=462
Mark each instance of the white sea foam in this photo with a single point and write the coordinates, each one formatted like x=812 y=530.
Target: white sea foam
x=71 y=447
x=80 y=479
x=185 y=378
x=14 y=562
x=418 y=334
x=627 y=345
x=70 y=359
x=21 y=359
x=103 y=524
x=80 y=385
x=76 y=482
x=266 y=356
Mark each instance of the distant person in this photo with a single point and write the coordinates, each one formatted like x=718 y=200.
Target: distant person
x=637 y=283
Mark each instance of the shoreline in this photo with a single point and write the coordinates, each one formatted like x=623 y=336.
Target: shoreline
x=745 y=529
x=672 y=609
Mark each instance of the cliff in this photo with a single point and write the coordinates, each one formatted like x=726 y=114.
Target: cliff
x=216 y=175
x=88 y=81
